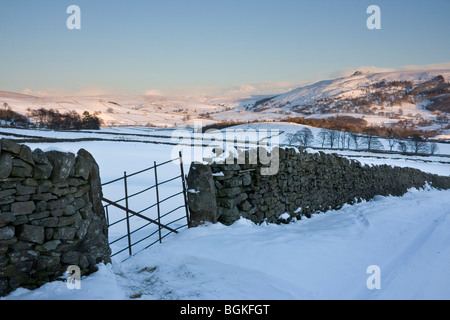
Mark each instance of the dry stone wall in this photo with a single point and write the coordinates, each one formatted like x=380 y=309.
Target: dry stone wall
x=51 y=215
x=305 y=183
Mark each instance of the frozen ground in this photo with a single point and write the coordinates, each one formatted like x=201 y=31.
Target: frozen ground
x=325 y=257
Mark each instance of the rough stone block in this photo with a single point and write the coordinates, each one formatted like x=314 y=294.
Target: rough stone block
x=7 y=233
x=247 y=180
x=39 y=157
x=49 y=246
x=245 y=206
x=229 y=192
x=30 y=182
x=42 y=171
x=71 y=257
x=21 y=169
x=66 y=221
x=38 y=216
x=82 y=191
x=65 y=233
x=9 y=146
x=6 y=193
x=63 y=165
x=25 y=154
x=203 y=203
x=31 y=233
x=75 y=182
x=43 y=197
x=22 y=208
x=6 y=217
x=5 y=165
x=83 y=167
x=25 y=190
x=60 y=203
x=233 y=182
x=50 y=222
x=47 y=262
x=44 y=187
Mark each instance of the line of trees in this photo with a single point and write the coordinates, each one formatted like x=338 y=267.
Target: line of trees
x=13 y=118
x=339 y=123
x=401 y=129
x=49 y=119
x=368 y=140
x=303 y=137
x=346 y=132
x=71 y=120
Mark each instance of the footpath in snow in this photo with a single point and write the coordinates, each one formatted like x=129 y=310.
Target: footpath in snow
x=325 y=257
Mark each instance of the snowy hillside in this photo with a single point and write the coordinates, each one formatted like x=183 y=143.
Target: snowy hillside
x=379 y=98
x=352 y=86
x=123 y=109
x=421 y=97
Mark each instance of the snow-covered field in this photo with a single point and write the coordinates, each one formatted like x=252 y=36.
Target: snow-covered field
x=325 y=257
x=287 y=127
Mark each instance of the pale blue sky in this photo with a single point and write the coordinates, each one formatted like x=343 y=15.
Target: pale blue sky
x=137 y=46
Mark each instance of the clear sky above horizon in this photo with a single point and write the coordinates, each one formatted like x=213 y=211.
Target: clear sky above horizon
x=198 y=46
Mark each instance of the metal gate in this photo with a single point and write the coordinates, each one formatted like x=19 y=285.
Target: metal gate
x=132 y=230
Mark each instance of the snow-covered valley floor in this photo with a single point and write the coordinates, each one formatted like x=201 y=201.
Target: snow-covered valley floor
x=325 y=257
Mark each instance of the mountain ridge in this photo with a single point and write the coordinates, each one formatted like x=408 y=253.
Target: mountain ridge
x=350 y=86
x=380 y=98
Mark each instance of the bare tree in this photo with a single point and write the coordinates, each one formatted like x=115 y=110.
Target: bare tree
x=323 y=136
x=370 y=139
x=342 y=139
x=348 y=138
x=355 y=138
x=332 y=138
x=402 y=146
x=392 y=138
x=305 y=137
x=433 y=148
x=290 y=138
x=418 y=144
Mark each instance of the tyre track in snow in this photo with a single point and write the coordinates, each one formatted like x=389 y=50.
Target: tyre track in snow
x=401 y=262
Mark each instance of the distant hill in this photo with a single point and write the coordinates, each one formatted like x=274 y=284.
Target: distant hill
x=413 y=98
x=366 y=93
x=127 y=110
